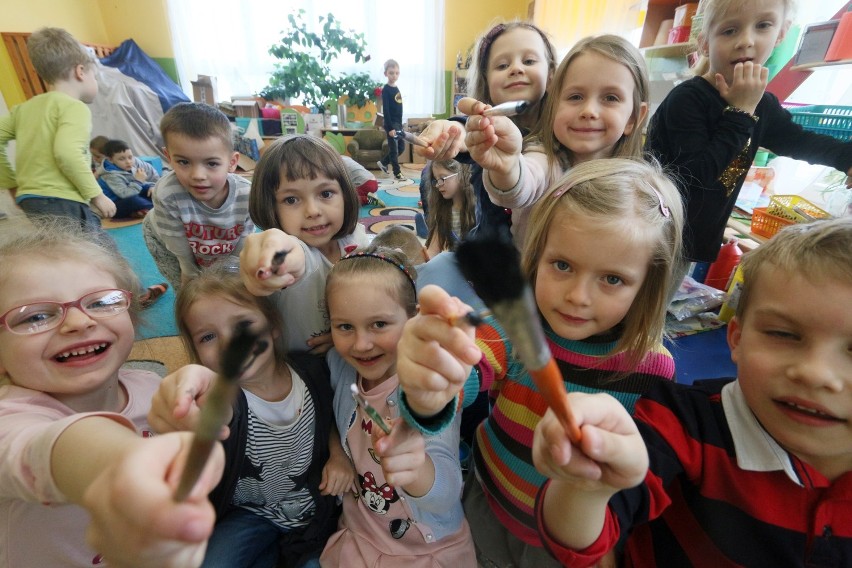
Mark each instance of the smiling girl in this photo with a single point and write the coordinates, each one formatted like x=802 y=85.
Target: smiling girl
x=303 y=198
x=451 y=202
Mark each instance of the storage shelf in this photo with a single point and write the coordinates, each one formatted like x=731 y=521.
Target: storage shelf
x=670 y=50
x=819 y=64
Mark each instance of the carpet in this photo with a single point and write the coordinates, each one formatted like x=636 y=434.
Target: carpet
x=401 y=200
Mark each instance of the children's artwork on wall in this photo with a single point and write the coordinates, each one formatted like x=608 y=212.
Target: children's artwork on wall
x=292 y=121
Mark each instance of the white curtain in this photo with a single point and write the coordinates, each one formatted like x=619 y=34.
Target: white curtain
x=230 y=41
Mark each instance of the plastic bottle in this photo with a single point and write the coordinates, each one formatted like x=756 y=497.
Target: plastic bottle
x=729 y=308
x=720 y=271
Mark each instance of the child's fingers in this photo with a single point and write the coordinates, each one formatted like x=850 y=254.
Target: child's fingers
x=471 y=106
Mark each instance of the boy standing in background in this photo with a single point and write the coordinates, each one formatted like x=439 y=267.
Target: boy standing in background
x=392 y=108
x=52 y=174
x=201 y=207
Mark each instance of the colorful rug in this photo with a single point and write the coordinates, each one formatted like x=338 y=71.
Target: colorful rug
x=401 y=200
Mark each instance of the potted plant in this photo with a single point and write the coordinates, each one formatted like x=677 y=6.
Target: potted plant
x=306 y=57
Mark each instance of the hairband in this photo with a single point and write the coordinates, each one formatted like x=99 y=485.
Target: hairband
x=385 y=259
x=487 y=41
x=663 y=209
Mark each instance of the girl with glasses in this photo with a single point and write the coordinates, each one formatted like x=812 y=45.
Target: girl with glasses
x=452 y=204
x=73 y=427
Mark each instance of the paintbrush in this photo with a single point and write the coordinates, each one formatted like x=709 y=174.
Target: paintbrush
x=504 y=290
x=237 y=356
x=371 y=412
x=511 y=108
x=411 y=138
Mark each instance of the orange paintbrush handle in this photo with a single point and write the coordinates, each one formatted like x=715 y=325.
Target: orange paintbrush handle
x=549 y=382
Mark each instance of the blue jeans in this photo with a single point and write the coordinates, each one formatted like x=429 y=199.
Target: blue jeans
x=395 y=148
x=37 y=207
x=242 y=539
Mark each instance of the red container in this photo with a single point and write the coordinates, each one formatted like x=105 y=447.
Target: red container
x=721 y=270
x=679 y=34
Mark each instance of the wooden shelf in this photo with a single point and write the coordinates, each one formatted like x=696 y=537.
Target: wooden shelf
x=819 y=64
x=670 y=50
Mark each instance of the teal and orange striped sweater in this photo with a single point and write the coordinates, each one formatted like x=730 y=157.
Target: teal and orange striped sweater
x=503 y=448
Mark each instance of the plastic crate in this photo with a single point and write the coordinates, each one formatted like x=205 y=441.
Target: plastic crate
x=833 y=121
x=766 y=224
x=795 y=208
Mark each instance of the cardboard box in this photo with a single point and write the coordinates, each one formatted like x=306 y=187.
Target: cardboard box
x=246 y=108
x=204 y=90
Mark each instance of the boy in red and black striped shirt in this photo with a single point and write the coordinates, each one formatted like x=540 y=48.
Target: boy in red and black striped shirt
x=749 y=472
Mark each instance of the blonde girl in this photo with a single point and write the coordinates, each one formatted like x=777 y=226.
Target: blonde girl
x=599 y=254
x=407 y=511
x=452 y=204
x=73 y=430
x=597 y=108
x=283 y=461
x=708 y=129
x=303 y=198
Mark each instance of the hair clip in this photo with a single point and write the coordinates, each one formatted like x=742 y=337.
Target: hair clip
x=384 y=259
x=663 y=209
x=485 y=45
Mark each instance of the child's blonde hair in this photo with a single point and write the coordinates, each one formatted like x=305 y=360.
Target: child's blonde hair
x=390 y=63
x=621 y=51
x=711 y=11
x=55 y=53
x=295 y=157
x=402 y=238
x=197 y=121
x=631 y=197
x=392 y=267
x=819 y=251
x=478 y=73
x=223 y=281
x=54 y=238
x=441 y=210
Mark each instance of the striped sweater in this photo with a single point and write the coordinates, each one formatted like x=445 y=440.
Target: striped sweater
x=503 y=450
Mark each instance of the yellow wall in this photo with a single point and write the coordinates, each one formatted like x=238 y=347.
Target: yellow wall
x=465 y=21
x=94 y=21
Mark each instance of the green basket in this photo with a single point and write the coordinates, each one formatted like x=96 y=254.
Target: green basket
x=833 y=121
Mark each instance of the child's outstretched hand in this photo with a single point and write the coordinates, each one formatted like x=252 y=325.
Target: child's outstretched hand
x=258 y=268
x=494 y=142
x=135 y=519
x=747 y=86
x=445 y=140
x=404 y=461
x=434 y=357
x=176 y=406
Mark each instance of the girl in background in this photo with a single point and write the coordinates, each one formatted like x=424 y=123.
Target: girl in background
x=597 y=108
x=283 y=461
x=452 y=206
x=709 y=128
x=601 y=294
x=73 y=431
x=303 y=198
x=407 y=511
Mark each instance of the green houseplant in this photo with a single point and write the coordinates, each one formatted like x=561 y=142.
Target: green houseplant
x=306 y=57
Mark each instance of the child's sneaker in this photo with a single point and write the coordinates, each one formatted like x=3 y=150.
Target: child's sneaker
x=400 y=177
x=153 y=294
x=382 y=167
x=373 y=199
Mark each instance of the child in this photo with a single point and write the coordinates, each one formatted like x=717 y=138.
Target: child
x=72 y=421
x=599 y=110
x=750 y=472
x=708 y=129
x=96 y=148
x=515 y=61
x=200 y=213
x=402 y=238
x=280 y=478
x=302 y=197
x=452 y=206
x=52 y=174
x=408 y=518
x=601 y=294
x=127 y=180
x=364 y=182
x=392 y=109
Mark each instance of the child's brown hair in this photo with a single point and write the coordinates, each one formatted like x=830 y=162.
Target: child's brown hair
x=402 y=238
x=295 y=157
x=55 y=53
x=197 y=121
x=391 y=266
x=441 y=210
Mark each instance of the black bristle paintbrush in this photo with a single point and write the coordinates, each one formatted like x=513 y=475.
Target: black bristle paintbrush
x=492 y=264
x=237 y=356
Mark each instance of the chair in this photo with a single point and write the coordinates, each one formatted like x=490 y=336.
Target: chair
x=368 y=146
